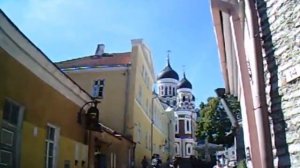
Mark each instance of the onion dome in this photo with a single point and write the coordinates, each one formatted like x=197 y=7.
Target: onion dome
x=184 y=83
x=168 y=72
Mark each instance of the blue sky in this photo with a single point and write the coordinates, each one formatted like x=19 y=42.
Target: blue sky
x=66 y=29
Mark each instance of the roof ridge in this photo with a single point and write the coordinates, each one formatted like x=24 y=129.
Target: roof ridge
x=84 y=57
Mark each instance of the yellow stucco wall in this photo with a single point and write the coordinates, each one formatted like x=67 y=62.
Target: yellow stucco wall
x=112 y=105
x=114 y=100
x=142 y=107
x=42 y=105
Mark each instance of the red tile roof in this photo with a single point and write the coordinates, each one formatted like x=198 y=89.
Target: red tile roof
x=96 y=60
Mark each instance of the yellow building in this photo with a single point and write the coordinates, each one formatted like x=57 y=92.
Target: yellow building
x=39 y=108
x=124 y=82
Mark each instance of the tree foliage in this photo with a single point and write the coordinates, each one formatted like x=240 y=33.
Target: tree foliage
x=214 y=125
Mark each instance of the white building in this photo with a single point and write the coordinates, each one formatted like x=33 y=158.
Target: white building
x=178 y=95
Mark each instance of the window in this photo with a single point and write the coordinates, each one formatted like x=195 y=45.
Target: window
x=177 y=148
x=138 y=133
x=10 y=134
x=176 y=127
x=170 y=90
x=188 y=126
x=189 y=150
x=51 y=146
x=166 y=90
x=98 y=88
x=174 y=93
x=143 y=70
x=113 y=160
x=11 y=112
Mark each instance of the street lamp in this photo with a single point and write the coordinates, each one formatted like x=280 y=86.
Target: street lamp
x=90 y=118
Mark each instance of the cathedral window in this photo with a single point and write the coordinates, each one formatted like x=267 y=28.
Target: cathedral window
x=188 y=129
x=189 y=150
x=98 y=88
x=166 y=91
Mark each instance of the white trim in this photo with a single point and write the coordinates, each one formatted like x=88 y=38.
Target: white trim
x=184 y=90
x=189 y=145
x=18 y=46
x=167 y=80
x=186 y=120
x=95 y=69
x=177 y=124
x=184 y=112
x=55 y=144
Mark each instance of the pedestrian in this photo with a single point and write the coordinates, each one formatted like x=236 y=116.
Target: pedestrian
x=154 y=161
x=176 y=162
x=145 y=162
x=169 y=163
x=218 y=165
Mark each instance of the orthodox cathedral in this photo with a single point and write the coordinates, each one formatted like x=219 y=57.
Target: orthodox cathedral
x=178 y=94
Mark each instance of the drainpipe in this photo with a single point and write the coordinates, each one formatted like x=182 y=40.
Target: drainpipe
x=259 y=101
x=232 y=9
x=127 y=73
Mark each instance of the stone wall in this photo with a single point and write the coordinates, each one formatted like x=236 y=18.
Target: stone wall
x=280 y=33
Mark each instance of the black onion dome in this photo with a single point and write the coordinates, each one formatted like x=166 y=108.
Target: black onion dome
x=168 y=72
x=184 y=83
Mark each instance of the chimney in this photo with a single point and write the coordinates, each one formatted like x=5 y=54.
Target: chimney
x=100 y=49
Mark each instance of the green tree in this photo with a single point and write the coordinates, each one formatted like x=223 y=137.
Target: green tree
x=214 y=124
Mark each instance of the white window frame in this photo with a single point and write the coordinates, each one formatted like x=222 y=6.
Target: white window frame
x=177 y=127
x=113 y=160
x=189 y=146
x=177 y=148
x=55 y=145
x=187 y=123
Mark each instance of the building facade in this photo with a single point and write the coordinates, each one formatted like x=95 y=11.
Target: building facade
x=259 y=50
x=123 y=82
x=178 y=95
x=39 y=108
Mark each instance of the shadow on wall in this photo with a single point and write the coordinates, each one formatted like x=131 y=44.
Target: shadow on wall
x=275 y=102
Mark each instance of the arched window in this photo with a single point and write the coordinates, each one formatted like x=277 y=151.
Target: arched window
x=183 y=98
x=189 y=149
x=170 y=91
x=174 y=93
x=177 y=148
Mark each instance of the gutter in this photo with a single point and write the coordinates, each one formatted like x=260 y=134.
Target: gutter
x=259 y=101
x=127 y=73
x=232 y=9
